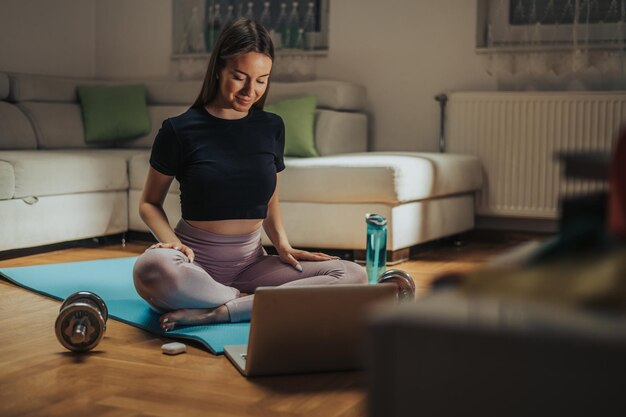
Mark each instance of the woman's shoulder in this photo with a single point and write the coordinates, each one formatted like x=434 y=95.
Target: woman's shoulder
x=189 y=115
x=174 y=126
x=270 y=117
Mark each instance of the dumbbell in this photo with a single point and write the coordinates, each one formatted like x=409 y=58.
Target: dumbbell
x=406 y=285
x=82 y=321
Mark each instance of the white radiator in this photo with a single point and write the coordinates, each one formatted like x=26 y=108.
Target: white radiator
x=516 y=135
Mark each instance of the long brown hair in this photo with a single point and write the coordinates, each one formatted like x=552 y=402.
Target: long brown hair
x=240 y=37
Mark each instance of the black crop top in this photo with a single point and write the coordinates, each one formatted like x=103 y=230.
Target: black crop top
x=226 y=168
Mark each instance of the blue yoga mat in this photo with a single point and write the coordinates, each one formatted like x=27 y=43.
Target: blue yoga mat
x=112 y=279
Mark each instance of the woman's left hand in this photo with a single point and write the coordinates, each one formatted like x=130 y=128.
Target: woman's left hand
x=291 y=256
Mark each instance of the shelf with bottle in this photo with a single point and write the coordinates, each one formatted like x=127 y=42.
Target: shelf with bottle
x=300 y=28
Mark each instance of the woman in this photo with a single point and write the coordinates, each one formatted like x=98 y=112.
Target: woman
x=226 y=153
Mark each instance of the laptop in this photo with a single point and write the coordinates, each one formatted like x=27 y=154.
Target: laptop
x=303 y=329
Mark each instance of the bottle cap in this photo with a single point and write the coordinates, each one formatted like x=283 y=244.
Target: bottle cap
x=375 y=219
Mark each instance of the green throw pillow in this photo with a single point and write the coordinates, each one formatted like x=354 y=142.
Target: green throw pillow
x=299 y=116
x=114 y=113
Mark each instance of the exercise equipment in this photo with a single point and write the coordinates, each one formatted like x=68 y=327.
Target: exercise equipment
x=82 y=321
x=112 y=279
x=404 y=282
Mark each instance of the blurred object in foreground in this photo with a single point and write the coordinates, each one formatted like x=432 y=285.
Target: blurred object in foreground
x=597 y=281
x=450 y=354
x=617 y=188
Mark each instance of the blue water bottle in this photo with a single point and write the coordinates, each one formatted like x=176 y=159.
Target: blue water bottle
x=376 y=248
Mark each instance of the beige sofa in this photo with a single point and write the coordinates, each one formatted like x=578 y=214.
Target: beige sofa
x=55 y=188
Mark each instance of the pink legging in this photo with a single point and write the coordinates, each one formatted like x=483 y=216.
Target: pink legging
x=224 y=266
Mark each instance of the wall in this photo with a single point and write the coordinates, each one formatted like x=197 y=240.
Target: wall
x=405 y=53
x=47 y=37
x=133 y=38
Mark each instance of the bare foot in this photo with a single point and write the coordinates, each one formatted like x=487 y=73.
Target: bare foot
x=193 y=316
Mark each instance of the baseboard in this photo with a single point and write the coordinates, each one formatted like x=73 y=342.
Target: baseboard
x=394 y=257
x=517 y=224
x=133 y=236
x=89 y=242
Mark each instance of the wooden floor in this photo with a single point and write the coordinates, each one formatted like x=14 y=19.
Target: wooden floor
x=127 y=375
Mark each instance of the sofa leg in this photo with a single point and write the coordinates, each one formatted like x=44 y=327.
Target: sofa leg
x=393 y=257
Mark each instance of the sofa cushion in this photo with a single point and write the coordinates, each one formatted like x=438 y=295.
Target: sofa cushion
x=4 y=86
x=7 y=181
x=298 y=114
x=336 y=95
x=379 y=177
x=59 y=125
x=44 y=88
x=31 y=87
x=16 y=131
x=62 y=218
x=376 y=177
x=114 y=113
x=338 y=132
x=39 y=173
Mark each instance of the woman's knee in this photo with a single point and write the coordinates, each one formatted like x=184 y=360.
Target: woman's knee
x=354 y=273
x=168 y=281
x=155 y=271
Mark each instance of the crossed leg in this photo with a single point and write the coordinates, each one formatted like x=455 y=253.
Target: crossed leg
x=187 y=294
x=177 y=288
x=270 y=271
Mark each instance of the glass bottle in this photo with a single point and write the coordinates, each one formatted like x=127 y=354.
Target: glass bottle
x=240 y=9
x=250 y=11
x=266 y=17
x=309 y=27
x=208 y=22
x=300 y=39
x=281 y=28
x=186 y=39
x=195 y=41
x=213 y=27
x=293 y=24
x=217 y=24
x=376 y=247
x=230 y=16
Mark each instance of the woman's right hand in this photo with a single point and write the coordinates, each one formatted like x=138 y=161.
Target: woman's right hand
x=176 y=246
